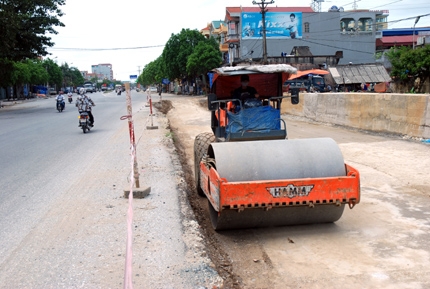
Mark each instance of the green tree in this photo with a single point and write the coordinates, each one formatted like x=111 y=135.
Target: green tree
x=54 y=72
x=95 y=81
x=205 y=57
x=67 y=75
x=71 y=76
x=410 y=66
x=177 y=50
x=38 y=73
x=153 y=72
x=21 y=73
x=77 y=78
x=24 y=25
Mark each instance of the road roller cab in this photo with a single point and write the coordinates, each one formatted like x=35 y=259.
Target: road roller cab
x=258 y=118
x=251 y=174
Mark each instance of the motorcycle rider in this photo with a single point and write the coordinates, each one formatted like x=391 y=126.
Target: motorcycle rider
x=84 y=103
x=69 y=95
x=60 y=98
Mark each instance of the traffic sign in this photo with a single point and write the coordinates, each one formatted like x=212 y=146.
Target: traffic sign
x=133 y=76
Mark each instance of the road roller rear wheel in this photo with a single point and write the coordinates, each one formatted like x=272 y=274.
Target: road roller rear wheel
x=201 y=144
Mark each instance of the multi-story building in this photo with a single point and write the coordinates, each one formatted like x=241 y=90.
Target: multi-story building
x=84 y=74
x=104 y=69
x=351 y=35
x=217 y=30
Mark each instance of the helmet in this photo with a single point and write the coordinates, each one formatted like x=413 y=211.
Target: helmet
x=82 y=91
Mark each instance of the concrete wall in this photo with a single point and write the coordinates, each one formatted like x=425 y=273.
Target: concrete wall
x=406 y=114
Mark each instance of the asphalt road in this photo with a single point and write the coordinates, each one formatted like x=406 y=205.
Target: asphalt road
x=62 y=210
x=43 y=151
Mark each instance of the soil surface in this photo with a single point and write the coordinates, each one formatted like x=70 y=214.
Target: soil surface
x=382 y=242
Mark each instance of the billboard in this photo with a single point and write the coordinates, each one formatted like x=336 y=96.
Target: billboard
x=278 y=25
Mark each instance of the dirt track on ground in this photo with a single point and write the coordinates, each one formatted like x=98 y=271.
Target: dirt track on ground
x=374 y=245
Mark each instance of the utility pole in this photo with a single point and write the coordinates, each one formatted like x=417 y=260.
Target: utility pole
x=413 y=35
x=354 y=4
x=263 y=4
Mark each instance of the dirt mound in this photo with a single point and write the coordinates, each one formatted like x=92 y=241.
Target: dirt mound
x=164 y=106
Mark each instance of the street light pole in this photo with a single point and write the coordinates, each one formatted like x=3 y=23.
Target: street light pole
x=263 y=6
x=413 y=36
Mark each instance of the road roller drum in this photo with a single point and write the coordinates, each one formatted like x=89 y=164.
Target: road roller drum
x=261 y=186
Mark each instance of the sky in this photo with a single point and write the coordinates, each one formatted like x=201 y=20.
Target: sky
x=130 y=34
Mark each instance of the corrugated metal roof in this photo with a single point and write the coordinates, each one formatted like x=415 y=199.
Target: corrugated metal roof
x=396 y=40
x=359 y=73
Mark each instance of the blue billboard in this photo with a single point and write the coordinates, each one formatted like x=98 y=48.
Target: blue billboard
x=278 y=25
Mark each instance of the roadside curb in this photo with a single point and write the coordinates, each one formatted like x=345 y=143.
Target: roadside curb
x=9 y=103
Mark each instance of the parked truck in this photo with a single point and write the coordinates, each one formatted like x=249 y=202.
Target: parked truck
x=89 y=87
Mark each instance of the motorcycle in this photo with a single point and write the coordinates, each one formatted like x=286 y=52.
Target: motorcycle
x=60 y=105
x=84 y=121
x=70 y=99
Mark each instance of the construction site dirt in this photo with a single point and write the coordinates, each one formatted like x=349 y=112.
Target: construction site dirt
x=383 y=242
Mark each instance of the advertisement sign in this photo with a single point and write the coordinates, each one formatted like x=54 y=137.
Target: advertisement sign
x=278 y=25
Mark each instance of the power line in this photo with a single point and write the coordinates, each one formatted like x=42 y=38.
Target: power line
x=104 y=49
x=337 y=47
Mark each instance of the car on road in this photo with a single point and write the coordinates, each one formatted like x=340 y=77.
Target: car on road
x=153 y=89
x=52 y=91
x=89 y=88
